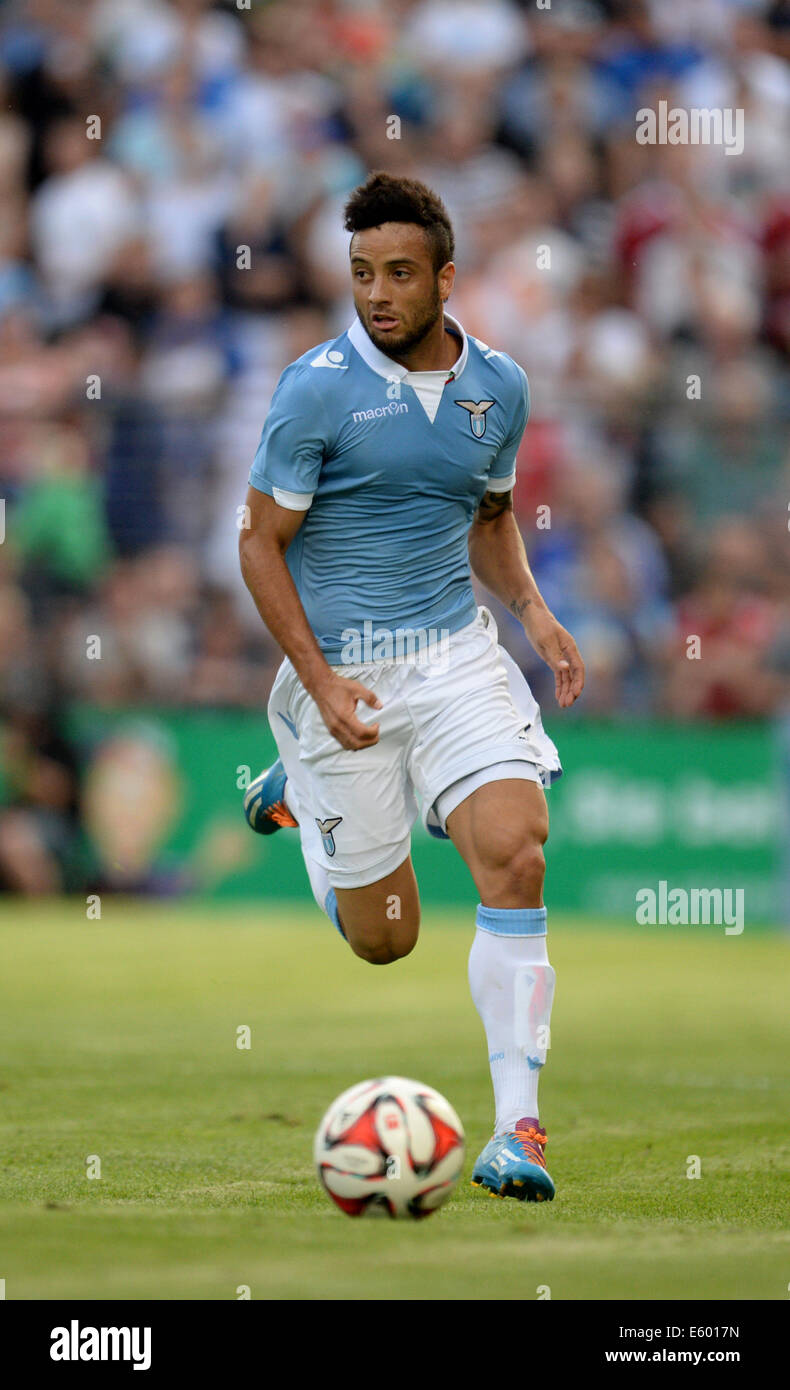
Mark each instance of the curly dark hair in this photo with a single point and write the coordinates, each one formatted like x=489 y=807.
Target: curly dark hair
x=384 y=198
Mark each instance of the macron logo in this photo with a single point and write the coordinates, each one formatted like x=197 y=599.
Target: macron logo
x=74 y=1343
x=380 y=412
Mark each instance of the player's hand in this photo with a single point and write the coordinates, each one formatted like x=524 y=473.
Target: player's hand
x=337 y=702
x=559 y=651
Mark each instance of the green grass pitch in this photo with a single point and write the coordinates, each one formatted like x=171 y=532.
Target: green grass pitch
x=118 y=1039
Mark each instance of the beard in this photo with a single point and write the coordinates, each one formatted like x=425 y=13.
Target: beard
x=410 y=337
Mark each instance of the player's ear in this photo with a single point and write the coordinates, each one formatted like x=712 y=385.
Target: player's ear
x=445 y=279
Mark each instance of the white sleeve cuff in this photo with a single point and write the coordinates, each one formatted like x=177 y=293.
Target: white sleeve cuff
x=501 y=484
x=294 y=501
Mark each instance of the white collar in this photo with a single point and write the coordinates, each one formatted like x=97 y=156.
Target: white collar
x=387 y=366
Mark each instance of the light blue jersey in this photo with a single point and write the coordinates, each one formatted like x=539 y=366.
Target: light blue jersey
x=390 y=467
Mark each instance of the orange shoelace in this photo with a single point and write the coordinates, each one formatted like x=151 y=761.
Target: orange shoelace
x=532 y=1136
x=280 y=814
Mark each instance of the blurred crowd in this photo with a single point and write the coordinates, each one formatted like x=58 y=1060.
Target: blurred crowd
x=172 y=176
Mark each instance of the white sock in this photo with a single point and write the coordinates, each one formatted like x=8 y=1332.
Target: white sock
x=512 y=987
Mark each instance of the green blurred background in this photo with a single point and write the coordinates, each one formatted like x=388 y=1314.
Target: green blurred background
x=692 y=805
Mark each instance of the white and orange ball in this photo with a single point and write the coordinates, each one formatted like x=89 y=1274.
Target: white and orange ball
x=389 y=1147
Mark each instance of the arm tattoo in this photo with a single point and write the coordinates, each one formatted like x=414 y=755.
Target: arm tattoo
x=494 y=504
x=518 y=605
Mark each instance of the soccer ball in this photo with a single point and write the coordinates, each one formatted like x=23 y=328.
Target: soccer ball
x=390 y=1147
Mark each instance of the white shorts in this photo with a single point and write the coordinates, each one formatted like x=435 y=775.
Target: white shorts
x=445 y=729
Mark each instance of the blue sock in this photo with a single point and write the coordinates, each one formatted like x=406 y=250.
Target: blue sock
x=330 y=908
x=512 y=921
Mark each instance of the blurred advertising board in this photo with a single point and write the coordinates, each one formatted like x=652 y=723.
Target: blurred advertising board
x=694 y=806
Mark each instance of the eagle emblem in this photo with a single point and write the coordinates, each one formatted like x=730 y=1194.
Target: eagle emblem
x=477 y=415
x=326 y=827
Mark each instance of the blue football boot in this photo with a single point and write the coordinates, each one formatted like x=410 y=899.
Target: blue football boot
x=264 y=801
x=512 y=1165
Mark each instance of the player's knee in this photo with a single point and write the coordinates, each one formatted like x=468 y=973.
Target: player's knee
x=527 y=869
x=516 y=875
x=384 y=948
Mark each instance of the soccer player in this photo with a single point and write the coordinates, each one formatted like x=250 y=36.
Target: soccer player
x=386 y=467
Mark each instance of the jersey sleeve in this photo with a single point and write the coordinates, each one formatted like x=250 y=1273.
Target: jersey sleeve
x=502 y=477
x=293 y=444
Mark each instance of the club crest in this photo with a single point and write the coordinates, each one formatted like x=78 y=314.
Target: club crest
x=477 y=415
x=326 y=827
